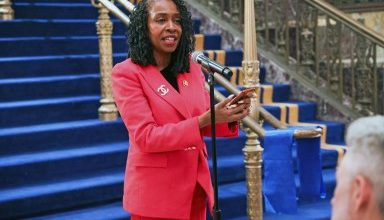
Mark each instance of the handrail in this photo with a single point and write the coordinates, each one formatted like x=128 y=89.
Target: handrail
x=333 y=12
x=128 y=5
x=116 y=11
x=361 y=7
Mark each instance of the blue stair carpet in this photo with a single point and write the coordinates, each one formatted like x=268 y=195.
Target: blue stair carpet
x=112 y=210
x=44 y=87
x=58 y=161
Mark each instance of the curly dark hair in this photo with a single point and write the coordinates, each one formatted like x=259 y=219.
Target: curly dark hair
x=139 y=43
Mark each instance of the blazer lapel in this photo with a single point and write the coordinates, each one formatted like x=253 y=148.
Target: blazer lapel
x=164 y=90
x=190 y=89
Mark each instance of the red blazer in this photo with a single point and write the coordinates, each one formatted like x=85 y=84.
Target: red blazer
x=167 y=154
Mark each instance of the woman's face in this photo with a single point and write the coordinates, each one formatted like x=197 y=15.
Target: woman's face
x=164 y=25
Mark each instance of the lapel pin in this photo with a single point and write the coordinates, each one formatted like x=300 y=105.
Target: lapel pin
x=185 y=82
x=162 y=90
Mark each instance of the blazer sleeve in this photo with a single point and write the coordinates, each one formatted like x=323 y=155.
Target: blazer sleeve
x=222 y=129
x=136 y=113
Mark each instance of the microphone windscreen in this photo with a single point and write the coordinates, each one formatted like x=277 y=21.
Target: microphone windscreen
x=195 y=55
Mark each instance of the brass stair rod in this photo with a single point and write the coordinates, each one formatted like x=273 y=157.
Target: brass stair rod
x=308 y=133
x=264 y=113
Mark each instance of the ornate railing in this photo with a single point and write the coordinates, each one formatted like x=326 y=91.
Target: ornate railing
x=6 y=11
x=333 y=53
x=349 y=2
x=358 y=5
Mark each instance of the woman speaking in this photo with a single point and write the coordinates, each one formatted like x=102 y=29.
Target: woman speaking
x=161 y=98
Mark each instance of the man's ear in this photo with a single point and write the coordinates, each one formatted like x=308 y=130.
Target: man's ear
x=361 y=193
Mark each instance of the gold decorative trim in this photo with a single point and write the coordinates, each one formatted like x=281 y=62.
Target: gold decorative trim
x=6 y=11
x=104 y=26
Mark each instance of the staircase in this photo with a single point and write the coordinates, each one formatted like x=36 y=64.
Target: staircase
x=58 y=161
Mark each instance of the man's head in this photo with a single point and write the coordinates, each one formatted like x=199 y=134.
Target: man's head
x=359 y=193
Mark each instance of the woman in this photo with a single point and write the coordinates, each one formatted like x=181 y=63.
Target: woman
x=161 y=98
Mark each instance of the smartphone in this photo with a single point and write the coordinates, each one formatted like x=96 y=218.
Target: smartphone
x=243 y=94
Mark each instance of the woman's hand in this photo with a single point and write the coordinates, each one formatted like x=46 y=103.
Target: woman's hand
x=226 y=113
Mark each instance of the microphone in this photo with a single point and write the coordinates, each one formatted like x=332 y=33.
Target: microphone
x=198 y=57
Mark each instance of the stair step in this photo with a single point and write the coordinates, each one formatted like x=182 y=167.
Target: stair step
x=51 y=136
x=230 y=168
x=48 y=111
x=307 y=110
x=227 y=146
x=48 y=65
x=232 y=203
x=54 y=27
x=281 y=92
x=110 y=211
x=232 y=57
x=61 y=27
x=211 y=41
x=233 y=196
x=33 y=168
x=335 y=131
x=49 y=87
x=320 y=210
x=329 y=158
x=45 y=46
x=24 y=10
x=32 y=200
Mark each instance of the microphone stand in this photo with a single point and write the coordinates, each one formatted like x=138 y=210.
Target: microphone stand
x=211 y=82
